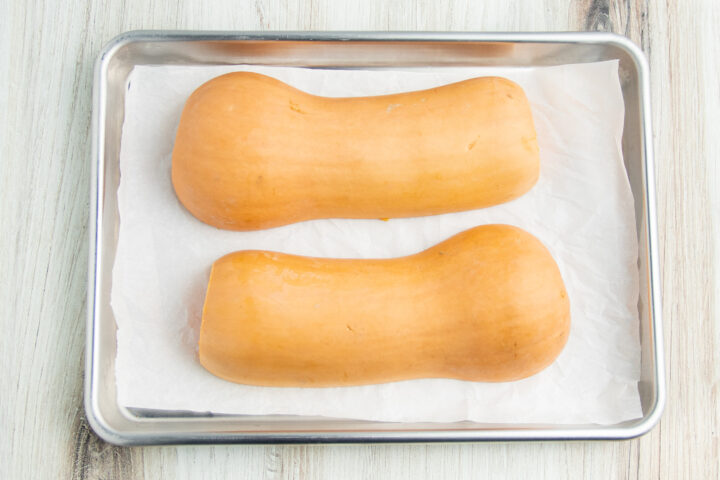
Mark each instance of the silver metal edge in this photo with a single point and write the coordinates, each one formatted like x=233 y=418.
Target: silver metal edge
x=92 y=411
x=112 y=435
x=655 y=412
x=515 y=37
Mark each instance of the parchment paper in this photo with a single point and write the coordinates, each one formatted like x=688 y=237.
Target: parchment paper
x=581 y=209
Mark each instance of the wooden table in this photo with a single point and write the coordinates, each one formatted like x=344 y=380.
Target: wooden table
x=47 y=50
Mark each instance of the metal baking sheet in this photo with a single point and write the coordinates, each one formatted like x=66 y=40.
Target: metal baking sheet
x=124 y=426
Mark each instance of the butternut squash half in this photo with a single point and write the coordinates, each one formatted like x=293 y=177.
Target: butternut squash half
x=488 y=304
x=252 y=152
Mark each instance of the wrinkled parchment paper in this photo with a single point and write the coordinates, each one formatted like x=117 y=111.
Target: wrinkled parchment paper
x=581 y=209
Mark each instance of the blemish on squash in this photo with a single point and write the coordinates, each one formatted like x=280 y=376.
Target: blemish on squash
x=529 y=143
x=349 y=328
x=472 y=144
x=392 y=107
x=296 y=108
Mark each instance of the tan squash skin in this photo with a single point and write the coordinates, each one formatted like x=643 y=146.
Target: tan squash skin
x=252 y=152
x=488 y=304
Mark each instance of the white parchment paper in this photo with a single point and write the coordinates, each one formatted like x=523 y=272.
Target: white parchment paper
x=581 y=209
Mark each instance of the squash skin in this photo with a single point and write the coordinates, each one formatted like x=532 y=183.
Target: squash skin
x=252 y=152
x=488 y=304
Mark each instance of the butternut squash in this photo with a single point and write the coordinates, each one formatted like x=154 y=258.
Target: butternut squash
x=488 y=304
x=252 y=152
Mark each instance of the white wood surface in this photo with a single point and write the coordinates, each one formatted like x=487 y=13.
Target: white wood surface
x=47 y=49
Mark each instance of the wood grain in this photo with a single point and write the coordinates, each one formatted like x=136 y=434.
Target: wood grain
x=46 y=58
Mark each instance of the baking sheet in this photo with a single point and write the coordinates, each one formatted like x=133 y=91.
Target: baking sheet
x=581 y=209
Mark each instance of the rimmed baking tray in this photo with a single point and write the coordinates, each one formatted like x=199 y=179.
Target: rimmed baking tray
x=121 y=425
